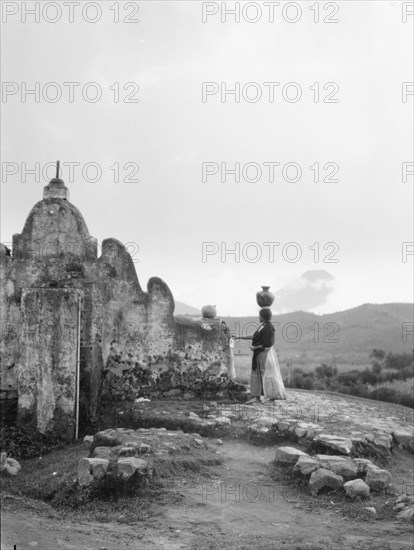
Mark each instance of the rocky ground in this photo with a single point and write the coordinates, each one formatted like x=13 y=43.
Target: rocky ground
x=234 y=482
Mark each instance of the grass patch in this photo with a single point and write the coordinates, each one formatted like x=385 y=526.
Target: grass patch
x=52 y=480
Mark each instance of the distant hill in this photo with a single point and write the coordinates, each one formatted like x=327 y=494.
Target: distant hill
x=346 y=337
x=184 y=309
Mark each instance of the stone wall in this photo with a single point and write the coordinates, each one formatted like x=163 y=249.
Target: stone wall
x=193 y=356
x=130 y=342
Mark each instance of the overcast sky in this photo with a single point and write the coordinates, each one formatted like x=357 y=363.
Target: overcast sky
x=363 y=128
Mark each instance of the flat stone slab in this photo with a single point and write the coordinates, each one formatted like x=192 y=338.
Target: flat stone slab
x=306 y=465
x=341 y=444
x=288 y=455
x=340 y=465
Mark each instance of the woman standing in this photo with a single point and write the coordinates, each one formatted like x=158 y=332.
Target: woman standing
x=266 y=379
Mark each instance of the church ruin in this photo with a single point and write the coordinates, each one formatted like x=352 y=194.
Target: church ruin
x=77 y=328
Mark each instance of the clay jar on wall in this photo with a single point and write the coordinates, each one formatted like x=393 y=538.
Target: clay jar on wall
x=209 y=312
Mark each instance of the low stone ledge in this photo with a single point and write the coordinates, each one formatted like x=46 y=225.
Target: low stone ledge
x=130 y=456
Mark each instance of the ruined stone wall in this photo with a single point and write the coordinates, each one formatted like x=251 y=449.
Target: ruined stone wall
x=145 y=350
x=130 y=342
x=196 y=360
x=9 y=326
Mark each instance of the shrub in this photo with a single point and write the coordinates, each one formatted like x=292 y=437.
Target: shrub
x=397 y=391
x=307 y=383
x=384 y=394
x=20 y=442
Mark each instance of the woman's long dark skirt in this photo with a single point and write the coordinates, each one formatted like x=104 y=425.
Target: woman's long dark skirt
x=256 y=378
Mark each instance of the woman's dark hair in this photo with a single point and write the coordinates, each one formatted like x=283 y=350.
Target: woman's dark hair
x=265 y=314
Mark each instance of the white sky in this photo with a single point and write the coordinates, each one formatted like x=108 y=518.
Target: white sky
x=170 y=132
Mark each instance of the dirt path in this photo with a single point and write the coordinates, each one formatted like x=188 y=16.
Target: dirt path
x=242 y=508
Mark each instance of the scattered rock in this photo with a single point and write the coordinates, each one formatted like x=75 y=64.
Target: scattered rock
x=378 y=479
x=88 y=439
x=101 y=452
x=283 y=425
x=172 y=393
x=9 y=466
x=129 y=465
x=288 y=454
x=370 y=510
x=127 y=450
x=189 y=395
x=404 y=438
x=340 y=465
x=144 y=449
x=99 y=467
x=363 y=464
x=193 y=416
x=356 y=488
x=301 y=432
x=219 y=442
x=380 y=440
x=306 y=465
x=223 y=420
x=85 y=476
x=313 y=430
x=324 y=478
x=340 y=444
x=406 y=514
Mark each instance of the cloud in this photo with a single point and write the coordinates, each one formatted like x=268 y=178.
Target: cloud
x=310 y=291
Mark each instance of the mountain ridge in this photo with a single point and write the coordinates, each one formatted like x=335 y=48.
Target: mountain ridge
x=344 y=337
